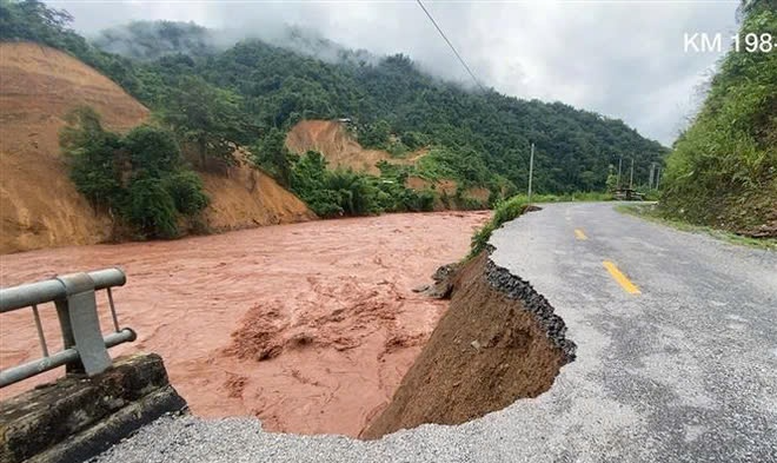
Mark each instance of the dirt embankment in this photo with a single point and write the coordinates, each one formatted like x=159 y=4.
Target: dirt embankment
x=498 y=342
x=309 y=327
x=446 y=192
x=332 y=140
x=38 y=87
x=248 y=198
x=41 y=208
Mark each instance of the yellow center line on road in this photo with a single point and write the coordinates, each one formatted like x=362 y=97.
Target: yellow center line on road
x=580 y=235
x=622 y=280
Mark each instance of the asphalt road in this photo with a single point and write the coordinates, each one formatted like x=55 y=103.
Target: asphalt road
x=676 y=360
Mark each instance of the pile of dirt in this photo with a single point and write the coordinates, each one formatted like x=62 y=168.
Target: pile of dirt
x=446 y=187
x=498 y=342
x=38 y=87
x=332 y=140
x=41 y=208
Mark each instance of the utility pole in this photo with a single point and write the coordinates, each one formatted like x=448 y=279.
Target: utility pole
x=531 y=169
x=631 y=178
x=658 y=177
x=652 y=175
x=620 y=167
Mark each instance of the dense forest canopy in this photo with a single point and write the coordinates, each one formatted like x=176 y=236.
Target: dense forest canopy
x=481 y=137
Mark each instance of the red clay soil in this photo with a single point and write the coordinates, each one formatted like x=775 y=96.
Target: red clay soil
x=340 y=148
x=486 y=352
x=39 y=205
x=309 y=327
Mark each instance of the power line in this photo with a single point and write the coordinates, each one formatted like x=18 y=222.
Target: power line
x=461 y=60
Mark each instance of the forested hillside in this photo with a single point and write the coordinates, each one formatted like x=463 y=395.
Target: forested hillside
x=152 y=40
x=483 y=133
x=723 y=170
x=482 y=138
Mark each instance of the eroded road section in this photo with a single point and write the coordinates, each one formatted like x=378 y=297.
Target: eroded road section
x=684 y=371
x=676 y=335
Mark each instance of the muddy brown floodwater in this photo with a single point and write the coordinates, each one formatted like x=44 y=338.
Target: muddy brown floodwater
x=309 y=327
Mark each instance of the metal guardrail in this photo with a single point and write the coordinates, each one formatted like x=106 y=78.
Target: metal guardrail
x=85 y=349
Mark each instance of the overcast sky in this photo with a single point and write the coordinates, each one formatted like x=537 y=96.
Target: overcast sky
x=624 y=59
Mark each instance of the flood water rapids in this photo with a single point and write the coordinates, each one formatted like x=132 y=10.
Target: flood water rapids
x=310 y=327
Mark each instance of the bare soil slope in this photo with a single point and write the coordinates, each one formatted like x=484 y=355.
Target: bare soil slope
x=39 y=205
x=331 y=139
x=448 y=188
x=498 y=342
x=249 y=198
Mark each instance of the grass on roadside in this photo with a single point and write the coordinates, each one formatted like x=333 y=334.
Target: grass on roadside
x=505 y=211
x=650 y=212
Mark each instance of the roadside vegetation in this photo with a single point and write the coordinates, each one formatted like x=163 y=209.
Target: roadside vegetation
x=652 y=213
x=504 y=212
x=722 y=171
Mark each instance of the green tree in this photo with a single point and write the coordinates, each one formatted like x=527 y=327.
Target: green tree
x=160 y=187
x=612 y=180
x=337 y=192
x=92 y=154
x=748 y=6
x=271 y=154
x=357 y=193
x=185 y=187
x=151 y=209
x=375 y=135
x=206 y=117
x=33 y=20
x=414 y=140
x=153 y=149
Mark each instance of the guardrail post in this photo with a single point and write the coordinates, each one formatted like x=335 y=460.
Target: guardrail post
x=68 y=341
x=81 y=326
x=85 y=349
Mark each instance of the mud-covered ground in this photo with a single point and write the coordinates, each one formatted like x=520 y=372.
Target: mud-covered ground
x=309 y=327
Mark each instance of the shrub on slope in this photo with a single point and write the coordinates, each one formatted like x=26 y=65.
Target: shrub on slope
x=723 y=170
